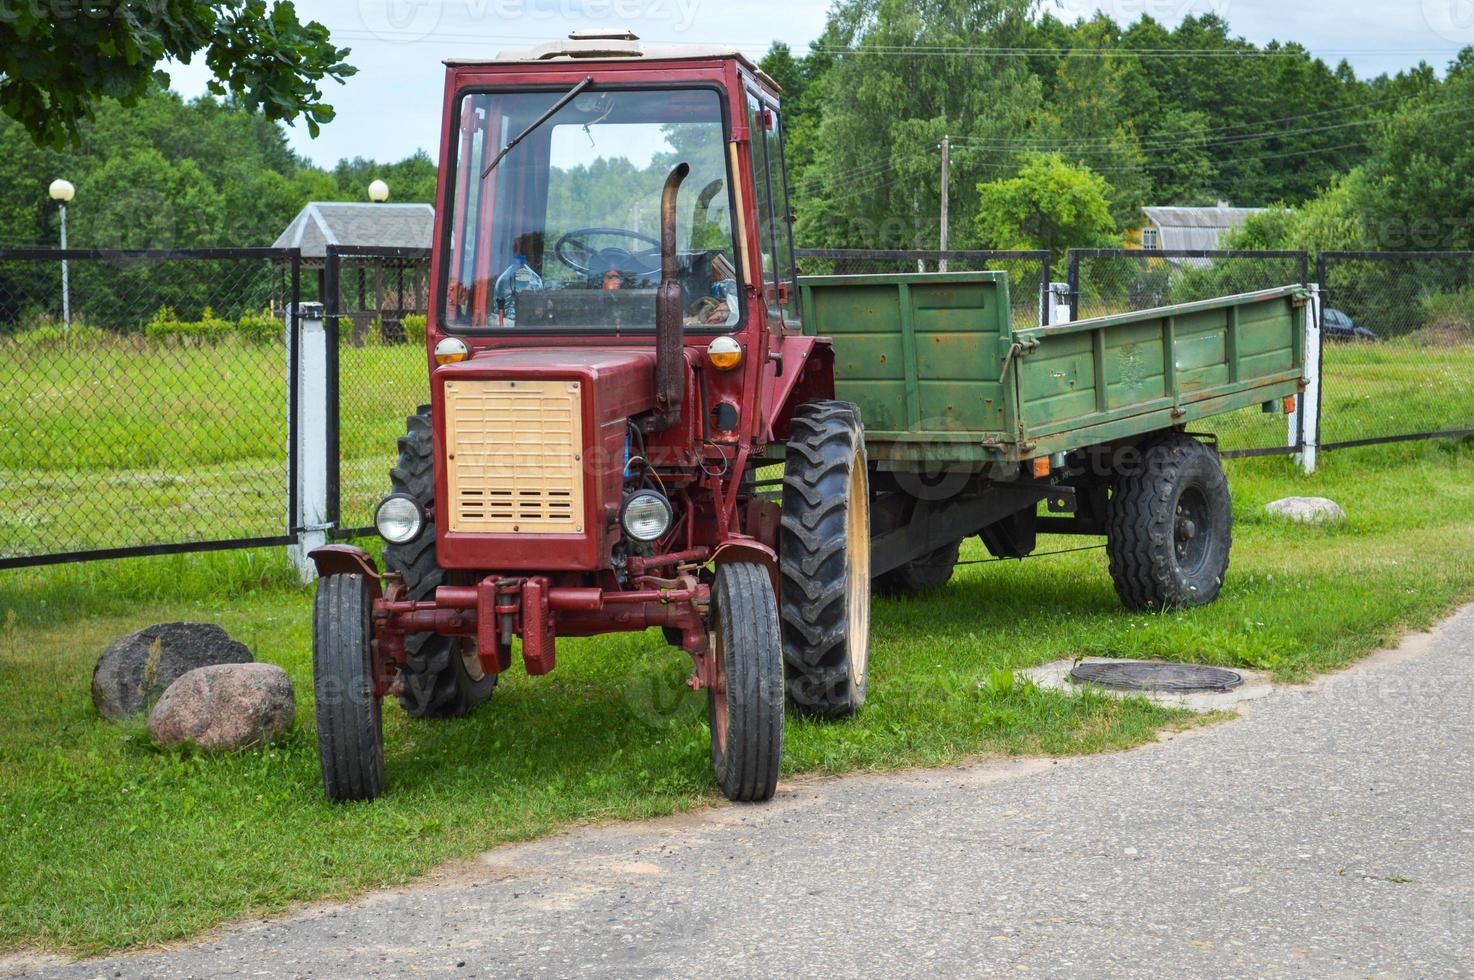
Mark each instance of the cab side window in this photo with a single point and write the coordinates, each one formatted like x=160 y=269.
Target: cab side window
x=775 y=232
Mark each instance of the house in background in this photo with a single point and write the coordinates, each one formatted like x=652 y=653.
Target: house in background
x=383 y=288
x=1186 y=228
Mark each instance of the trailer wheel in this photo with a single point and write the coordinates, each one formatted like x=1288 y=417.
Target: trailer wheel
x=930 y=571
x=824 y=558
x=745 y=706
x=441 y=676
x=350 y=733
x=1170 y=527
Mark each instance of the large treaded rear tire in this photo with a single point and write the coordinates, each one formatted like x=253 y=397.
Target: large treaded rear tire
x=435 y=680
x=931 y=571
x=350 y=731
x=1170 y=527
x=824 y=559
x=746 y=715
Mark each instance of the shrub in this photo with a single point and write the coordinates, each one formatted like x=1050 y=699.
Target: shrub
x=166 y=326
x=44 y=331
x=414 y=328
x=259 y=328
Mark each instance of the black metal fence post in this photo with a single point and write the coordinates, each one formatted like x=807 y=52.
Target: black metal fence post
x=332 y=310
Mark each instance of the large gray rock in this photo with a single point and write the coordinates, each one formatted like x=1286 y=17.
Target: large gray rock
x=1307 y=510
x=134 y=671
x=225 y=707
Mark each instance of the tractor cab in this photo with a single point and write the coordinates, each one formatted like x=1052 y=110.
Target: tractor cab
x=561 y=154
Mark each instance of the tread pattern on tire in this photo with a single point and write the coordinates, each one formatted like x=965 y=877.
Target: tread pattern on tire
x=826 y=439
x=433 y=680
x=748 y=618
x=1140 y=538
x=350 y=734
x=931 y=571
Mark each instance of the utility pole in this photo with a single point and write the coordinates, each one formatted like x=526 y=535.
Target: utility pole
x=946 y=169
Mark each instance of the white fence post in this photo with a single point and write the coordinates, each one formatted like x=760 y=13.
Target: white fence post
x=309 y=366
x=1307 y=406
x=1057 y=304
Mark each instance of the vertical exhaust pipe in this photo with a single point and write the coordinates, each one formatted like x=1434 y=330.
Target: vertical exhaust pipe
x=670 y=364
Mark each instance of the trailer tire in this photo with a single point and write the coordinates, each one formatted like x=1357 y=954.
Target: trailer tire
x=824 y=560
x=746 y=707
x=350 y=731
x=1170 y=527
x=441 y=676
x=930 y=571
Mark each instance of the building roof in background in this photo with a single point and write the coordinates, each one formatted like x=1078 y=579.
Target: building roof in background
x=324 y=223
x=1196 y=228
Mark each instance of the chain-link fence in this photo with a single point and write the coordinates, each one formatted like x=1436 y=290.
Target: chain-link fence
x=145 y=401
x=1107 y=281
x=376 y=301
x=1028 y=271
x=1397 y=354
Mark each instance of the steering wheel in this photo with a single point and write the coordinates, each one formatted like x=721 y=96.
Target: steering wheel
x=583 y=258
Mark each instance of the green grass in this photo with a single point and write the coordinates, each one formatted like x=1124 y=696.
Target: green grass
x=179 y=442
x=110 y=843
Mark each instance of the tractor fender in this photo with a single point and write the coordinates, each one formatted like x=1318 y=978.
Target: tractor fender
x=749 y=550
x=340 y=559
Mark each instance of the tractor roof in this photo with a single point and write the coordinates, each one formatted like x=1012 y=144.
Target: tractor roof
x=614 y=46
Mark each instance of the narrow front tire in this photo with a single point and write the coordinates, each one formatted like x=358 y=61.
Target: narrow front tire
x=350 y=732
x=745 y=705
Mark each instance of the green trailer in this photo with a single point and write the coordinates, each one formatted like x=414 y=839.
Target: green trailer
x=976 y=424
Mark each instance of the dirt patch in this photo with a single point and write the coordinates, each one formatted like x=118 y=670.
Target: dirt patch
x=1445 y=330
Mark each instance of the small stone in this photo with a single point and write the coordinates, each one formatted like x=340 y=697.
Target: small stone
x=225 y=707
x=135 y=670
x=1307 y=510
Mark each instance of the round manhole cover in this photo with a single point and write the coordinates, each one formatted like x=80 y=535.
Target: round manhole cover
x=1176 y=678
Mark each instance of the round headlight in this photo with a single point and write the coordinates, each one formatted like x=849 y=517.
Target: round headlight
x=646 y=515
x=399 y=519
x=451 y=350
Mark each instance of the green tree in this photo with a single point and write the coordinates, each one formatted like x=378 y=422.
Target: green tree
x=1051 y=204
x=1420 y=175
x=905 y=74
x=59 y=61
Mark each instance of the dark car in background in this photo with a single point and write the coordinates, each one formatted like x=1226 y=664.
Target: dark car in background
x=1339 y=326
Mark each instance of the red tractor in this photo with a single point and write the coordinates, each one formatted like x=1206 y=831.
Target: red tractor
x=614 y=353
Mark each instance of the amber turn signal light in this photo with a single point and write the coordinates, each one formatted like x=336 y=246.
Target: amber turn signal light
x=451 y=350
x=724 y=353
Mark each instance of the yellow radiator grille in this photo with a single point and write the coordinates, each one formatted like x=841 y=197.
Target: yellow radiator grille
x=515 y=456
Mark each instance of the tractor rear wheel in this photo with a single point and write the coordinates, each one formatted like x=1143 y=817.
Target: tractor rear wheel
x=824 y=558
x=441 y=676
x=745 y=704
x=350 y=732
x=1170 y=527
x=931 y=571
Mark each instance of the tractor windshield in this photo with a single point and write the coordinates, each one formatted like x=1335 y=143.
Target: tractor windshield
x=563 y=234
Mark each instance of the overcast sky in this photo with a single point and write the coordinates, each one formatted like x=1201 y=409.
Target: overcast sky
x=391 y=107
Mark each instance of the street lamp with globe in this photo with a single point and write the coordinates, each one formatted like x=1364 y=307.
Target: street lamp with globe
x=62 y=192
x=378 y=192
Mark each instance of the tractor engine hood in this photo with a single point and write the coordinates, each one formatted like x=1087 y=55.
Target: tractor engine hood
x=530 y=454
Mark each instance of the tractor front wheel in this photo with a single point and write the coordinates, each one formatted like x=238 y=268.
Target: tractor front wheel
x=745 y=703
x=350 y=732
